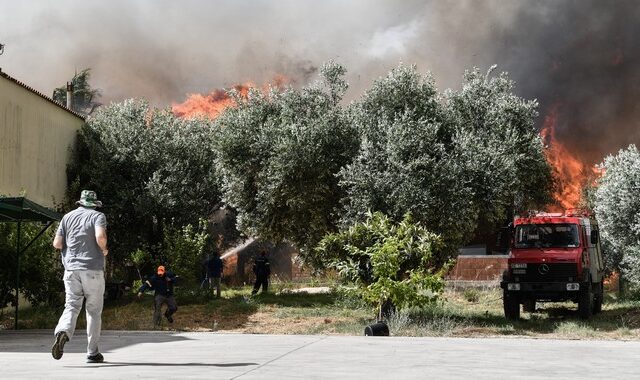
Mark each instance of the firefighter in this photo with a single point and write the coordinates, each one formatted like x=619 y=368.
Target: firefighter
x=214 y=267
x=162 y=283
x=262 y=270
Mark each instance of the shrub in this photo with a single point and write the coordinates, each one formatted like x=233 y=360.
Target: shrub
x=386 y=262
x=183 y=249
x=40 y=266
x=139 y=258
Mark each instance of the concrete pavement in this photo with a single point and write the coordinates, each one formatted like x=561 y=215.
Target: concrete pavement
x=130 y=355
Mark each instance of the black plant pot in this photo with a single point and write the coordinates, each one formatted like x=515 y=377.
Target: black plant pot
x=377 y=329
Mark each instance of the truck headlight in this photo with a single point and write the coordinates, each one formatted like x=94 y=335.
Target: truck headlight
x=513 y=286
x=573 y=286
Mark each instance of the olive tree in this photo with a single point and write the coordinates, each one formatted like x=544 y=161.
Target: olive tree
x=296 y=164
x=148 y=167
x=455 y=161
x=617 y=207
x=279 y=153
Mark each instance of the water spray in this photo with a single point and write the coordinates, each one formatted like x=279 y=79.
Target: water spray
x=236 y=249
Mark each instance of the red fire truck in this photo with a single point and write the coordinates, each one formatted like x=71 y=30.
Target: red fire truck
x=554 y=257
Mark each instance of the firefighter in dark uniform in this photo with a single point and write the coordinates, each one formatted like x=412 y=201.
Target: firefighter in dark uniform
x=162 y=283
x=214 y=266
x=262 y=270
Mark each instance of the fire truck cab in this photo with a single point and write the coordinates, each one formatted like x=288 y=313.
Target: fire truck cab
x=554 y=257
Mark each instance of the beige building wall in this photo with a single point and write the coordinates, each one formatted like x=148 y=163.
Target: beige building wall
x=35 y=140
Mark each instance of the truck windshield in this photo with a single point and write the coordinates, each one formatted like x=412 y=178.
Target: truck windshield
x=547 y=235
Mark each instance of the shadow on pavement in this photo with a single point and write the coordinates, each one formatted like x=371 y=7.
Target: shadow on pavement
x=41 y=340
x=125 y=364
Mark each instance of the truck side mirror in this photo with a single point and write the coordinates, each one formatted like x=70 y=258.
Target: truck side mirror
x=594 y=237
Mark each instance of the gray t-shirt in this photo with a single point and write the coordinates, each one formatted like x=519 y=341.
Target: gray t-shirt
x=81 y=250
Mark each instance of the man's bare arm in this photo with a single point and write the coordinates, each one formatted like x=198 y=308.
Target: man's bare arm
x=58 y=242
x=101 y=238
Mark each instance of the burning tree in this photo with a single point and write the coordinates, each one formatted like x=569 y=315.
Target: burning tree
x=574 y=178
x=218 y=100
x=211 y=105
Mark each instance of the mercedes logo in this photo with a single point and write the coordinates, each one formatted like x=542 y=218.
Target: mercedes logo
x=543 y=269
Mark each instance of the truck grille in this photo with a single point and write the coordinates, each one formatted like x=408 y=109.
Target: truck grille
x=553 y=272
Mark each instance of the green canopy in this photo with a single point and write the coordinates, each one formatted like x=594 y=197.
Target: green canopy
x=19 y=210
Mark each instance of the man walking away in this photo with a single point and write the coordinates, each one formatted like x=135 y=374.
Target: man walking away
x=262 y=270
x=82 y=239
x=162 y=283
x=214 y=272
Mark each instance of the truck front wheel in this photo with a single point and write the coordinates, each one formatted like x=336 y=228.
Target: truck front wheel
x=529 y=305
x=599 y=296
x=511 y=305
x=585 y=301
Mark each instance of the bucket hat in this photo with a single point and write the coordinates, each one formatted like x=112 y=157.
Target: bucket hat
x=88 y=198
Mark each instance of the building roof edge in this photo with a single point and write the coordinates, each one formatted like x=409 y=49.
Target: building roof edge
x=23 y=85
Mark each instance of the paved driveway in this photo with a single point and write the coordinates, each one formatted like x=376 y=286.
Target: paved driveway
x=162 y=355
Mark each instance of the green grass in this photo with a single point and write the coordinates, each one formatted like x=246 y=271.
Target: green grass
x=459 y=313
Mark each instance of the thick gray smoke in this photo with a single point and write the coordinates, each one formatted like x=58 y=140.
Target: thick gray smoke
x=580 y=56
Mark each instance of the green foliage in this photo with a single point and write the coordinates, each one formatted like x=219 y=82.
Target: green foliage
x=40 y=266
x=136 y=285
x=386 y=261
x=457 y=162
x=617 y=208
x=279 y=154
x=497 y=140
x=297 y=164
x=139 y=258
x=184 y=249
x=84 y=96
x=147 y=167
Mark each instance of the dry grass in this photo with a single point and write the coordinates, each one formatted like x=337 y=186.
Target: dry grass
x=460 y=313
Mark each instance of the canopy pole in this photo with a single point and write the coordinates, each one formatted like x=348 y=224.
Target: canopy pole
x=44 y=229
x=17 y=272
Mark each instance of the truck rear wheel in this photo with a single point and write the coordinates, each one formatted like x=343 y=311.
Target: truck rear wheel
x=511 y=305
x=585 y=302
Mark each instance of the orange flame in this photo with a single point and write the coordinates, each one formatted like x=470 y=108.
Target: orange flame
x=571 y=173
x=208 y=105
x=218 y=100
